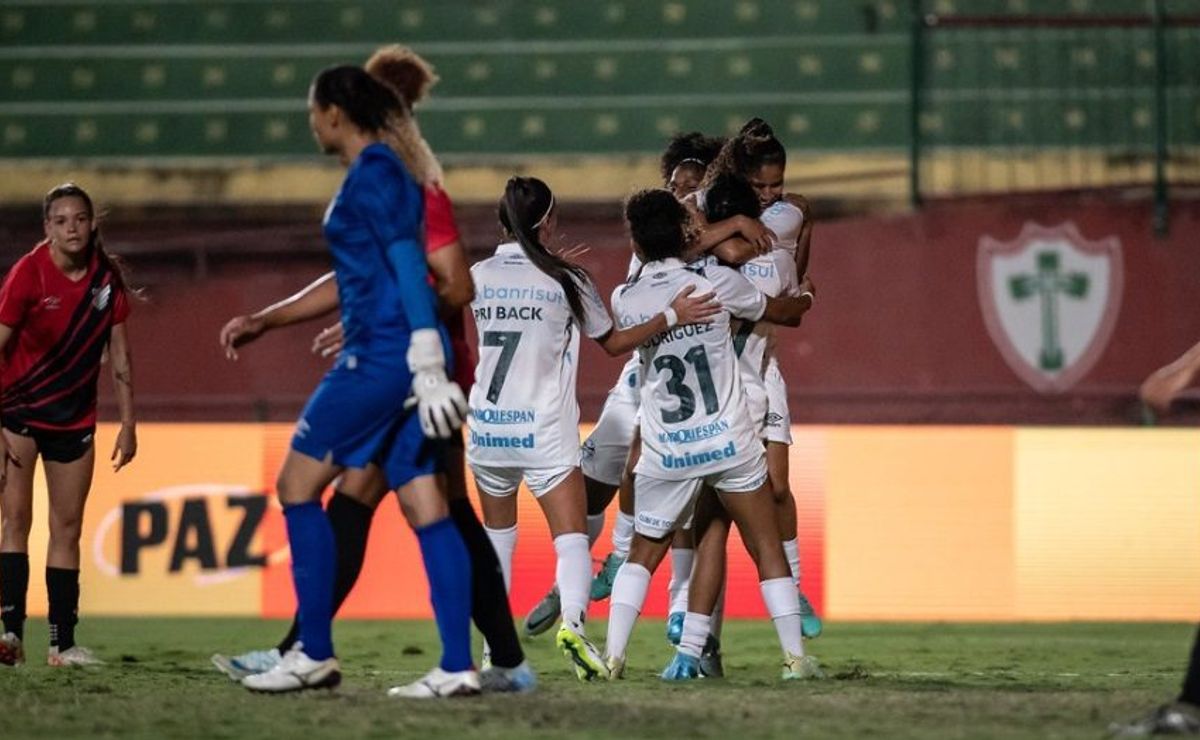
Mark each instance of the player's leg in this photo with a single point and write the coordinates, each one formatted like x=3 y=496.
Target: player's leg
x=661 y=506
x=560 y=494
x=16 y=520
x=622 y=533
x=682 y=557
x=699 y=652
x=68 y=462
x=747 y=498
x=311 y=662
x=350 y=510
x=490 y=609
x=778 y=430
x=448 y=568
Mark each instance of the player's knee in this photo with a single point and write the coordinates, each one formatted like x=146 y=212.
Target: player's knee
x=65 y=529
x=15 y=526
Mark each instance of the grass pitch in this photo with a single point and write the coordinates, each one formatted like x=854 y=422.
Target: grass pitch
x=888 y=681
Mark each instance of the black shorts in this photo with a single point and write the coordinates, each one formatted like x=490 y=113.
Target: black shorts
x=55 y=445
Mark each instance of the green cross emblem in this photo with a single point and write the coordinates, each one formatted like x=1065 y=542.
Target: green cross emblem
x=1048 y=283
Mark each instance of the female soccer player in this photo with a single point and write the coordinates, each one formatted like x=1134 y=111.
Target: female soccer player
x=756 y=155
x=530 y=307
x=606 y=462
x=61 y=306
x=360 y=414
x=352 y=506
x=696 y=431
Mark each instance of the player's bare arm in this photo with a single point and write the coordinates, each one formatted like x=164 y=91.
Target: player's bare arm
x=1164 y=384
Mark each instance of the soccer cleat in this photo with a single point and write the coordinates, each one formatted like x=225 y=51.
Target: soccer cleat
x=588 y=662
x=1169 y=719
x=675 y=627
x=72 y=656
x=296 y=672
x=711 y=665
x=682 y=667
x=438 y=684
x=518 y=680
x=801 y=668
x=602 y=583
x=543 y=616
x=810 y=623
x=12 y=652
x=254 y=662
x=616 y=667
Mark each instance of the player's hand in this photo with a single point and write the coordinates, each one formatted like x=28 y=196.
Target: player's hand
x=329 y=342
x=1162 y=387
x=440 y=403
x=694 y=309
x=238 y=331
x=759 y=236
x=125 y=448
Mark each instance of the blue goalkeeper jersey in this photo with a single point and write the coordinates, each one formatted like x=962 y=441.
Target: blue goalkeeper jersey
x=375 y=229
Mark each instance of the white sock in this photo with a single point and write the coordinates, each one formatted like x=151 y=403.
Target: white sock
x=783 y=604
x=695 y=633
x=622 y=534
x=791 y=550
x=628 y=598
x=595 y=526
x=681 y=578
x=718 y=615
x=573 y=576
x=505 y=542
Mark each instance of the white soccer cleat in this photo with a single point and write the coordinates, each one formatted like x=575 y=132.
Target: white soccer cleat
x=616 y=667
x=296 y=672
x=254 y=662
x=72 y=656
x=438 y=684
x=518 y=680
x=801 y=668
x=12 y=652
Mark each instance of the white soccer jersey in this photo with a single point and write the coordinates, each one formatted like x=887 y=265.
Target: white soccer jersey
x=785 y=221
x=694 y=415
x=524 y=412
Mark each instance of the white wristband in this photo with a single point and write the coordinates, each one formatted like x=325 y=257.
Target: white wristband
x=671 y=317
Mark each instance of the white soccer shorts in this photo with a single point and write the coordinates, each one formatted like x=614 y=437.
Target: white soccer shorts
x=661 y=506
x=605 y=450
x=496 y=480
x=778 y=418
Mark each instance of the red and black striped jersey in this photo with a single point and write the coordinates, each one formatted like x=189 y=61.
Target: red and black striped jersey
x=60 y=330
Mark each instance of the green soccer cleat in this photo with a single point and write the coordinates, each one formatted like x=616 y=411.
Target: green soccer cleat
x=543 y=616
x=589 y=663
x=810 y=623
x=603 y=582
x=801 y=668
x=681 y=668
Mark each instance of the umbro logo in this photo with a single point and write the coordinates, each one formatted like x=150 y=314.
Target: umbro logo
x=774 y=419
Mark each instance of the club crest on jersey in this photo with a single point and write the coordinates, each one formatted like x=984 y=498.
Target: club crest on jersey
x=100 y=297
x=1050 y=300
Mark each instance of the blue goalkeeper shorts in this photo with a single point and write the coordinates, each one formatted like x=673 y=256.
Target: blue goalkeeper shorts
x=356 y=417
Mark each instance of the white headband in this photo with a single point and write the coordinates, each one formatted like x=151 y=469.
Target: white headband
x=546 y=215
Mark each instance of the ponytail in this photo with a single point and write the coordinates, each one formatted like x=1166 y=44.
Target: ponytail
x=526 y=205
x=409 y=77
x=754 y=147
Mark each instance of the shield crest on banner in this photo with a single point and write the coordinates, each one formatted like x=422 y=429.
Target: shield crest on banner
x=1050 y=299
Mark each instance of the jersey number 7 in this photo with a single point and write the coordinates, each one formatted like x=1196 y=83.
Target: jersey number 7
x=507 y=341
